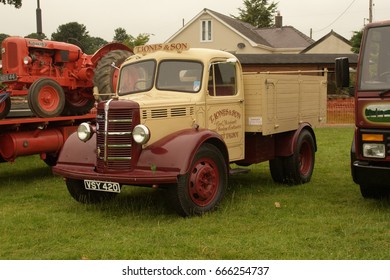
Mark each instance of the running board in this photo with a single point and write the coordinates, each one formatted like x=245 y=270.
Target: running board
x=236 y=171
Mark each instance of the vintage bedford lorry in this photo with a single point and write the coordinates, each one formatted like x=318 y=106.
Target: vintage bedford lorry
x=185 y=119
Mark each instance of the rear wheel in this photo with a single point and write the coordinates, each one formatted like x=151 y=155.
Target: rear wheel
x=79 y=193
x=299 y=167
x=46 y=98
x=106 y=75
x=203 y=187
x=5 y=107
x=77 y=103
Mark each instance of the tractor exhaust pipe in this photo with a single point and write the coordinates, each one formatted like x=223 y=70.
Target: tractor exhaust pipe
x=39 y=20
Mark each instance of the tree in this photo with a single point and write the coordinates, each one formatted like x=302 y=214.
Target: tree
x=121 y=36
x=356 y=40
x=258 y=13
x=140 y=40
x=73 y=33
x=36 y=36
x=93 y=44
x=16 y=3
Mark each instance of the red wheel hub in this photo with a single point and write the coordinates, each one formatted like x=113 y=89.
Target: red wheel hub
x=305 y=158
x=203 y=182
x=49 y=98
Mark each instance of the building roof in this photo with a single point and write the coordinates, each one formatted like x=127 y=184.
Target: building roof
x=293 y=58
x=272 y=38
x=320 y=41
x=283 y=37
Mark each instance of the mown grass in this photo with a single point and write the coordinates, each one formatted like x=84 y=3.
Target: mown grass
x=325 y=219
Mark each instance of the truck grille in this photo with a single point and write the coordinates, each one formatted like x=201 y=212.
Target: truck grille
x=114 y=139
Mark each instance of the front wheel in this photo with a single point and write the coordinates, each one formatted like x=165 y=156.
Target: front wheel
x=79 y=193
x=46 y=98
x=202 y=188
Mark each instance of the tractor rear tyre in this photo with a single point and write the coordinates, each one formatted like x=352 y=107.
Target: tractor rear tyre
x=5 y=107
x=46 y=98
x=202 y=188
x=79 y=193
x=106 y=75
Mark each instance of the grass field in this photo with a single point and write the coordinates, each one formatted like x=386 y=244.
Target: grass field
x=325 y=219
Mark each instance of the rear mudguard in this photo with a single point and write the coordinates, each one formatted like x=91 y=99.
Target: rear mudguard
x=173 y=153
x=285 y=142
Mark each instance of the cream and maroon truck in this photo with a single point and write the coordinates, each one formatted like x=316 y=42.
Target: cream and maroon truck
x=184 y=119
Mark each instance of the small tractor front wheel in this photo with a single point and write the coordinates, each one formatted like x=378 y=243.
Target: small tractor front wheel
x=46 y=98
x=79 y=193
x=202 y=188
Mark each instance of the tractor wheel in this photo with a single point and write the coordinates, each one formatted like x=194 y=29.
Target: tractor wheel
x=77 y=104
x=79 y=193
x=299 y=166
x=203 y=187
x=46 y=98
x=106 y=76
x=5 y=107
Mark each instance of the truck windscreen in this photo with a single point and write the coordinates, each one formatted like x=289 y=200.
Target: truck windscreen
x=374 y=72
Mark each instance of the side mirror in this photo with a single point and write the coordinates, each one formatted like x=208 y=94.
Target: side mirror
x=342 y=72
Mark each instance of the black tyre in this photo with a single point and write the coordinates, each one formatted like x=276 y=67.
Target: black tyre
x=46 y=98
x=5 y=107
x=51 y=159
x=79 y=193
x=106 y=76
x=203 y=187
x=276 y=167
x=299 y=167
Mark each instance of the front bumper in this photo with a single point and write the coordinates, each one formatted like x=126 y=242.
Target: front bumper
x=366 y=174
x=139 y=177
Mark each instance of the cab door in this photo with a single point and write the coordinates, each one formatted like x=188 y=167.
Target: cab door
x=225 y=106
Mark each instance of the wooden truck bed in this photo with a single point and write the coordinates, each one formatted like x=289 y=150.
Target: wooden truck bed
x=277 y=103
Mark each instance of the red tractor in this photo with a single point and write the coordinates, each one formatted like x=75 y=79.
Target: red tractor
x=57 y=78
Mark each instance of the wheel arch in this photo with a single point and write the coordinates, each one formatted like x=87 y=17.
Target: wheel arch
x=285 y=142
x=76 y=152
x=106 y=49
x=177 y=151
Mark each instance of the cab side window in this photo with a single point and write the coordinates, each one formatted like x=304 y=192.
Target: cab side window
x=222 y=79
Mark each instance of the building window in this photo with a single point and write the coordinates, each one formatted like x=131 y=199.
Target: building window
x=206 y=31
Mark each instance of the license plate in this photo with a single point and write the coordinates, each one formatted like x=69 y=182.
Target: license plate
x=8 y=77
x=102 y=186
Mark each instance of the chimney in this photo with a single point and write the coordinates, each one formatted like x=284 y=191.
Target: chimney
x=278 y=20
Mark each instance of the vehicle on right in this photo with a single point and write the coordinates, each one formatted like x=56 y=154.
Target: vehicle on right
x=370 y=150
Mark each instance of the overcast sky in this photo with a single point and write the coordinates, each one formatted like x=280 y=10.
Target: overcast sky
x=163 y=18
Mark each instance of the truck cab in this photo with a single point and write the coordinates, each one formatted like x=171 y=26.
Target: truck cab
x=370 y=151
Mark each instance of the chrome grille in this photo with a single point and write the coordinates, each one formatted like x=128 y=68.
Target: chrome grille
x=114 y=139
